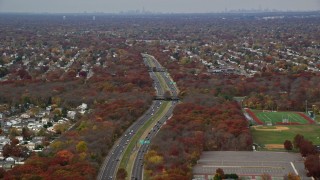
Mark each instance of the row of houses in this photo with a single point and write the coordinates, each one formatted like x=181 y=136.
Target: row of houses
x=36 y=122
x=30 y=144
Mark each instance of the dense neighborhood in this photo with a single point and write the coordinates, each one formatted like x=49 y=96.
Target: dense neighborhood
x=32 y=130
x=72 y=86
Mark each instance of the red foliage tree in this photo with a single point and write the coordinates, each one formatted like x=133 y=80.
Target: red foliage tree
x=312 y=164
x=307 y=148
x=122 y=174
x=288 y=145
x=297 y=140
x=2 y=173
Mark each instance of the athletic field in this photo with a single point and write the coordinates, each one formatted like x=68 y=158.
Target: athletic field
x=263 y=135
x=280 y=117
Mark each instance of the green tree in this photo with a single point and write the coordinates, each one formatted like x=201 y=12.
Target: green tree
x=64 y=112
x=49 y=102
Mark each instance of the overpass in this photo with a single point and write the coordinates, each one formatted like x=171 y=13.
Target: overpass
x=156 y=69
x=168 y=98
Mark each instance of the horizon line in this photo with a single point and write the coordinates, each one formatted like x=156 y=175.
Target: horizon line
x=135 y=12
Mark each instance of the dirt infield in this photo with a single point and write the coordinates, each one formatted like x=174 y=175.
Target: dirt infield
x=274 y=146
x=276 y=128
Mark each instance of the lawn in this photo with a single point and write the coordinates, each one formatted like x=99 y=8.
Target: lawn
x=277 y=117
x=310 y=132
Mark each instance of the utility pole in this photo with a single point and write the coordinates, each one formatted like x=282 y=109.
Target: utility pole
x=306 y=106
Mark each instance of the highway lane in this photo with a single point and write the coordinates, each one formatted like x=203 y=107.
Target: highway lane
x=110 y=165
x=137 y=171
x=170 y=83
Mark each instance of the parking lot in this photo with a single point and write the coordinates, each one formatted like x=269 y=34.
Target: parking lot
x=248 y=163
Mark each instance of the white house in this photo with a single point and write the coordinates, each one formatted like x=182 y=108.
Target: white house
x=4 y=141
x=1 y=156
x=83 y=106
x=2 y=137
x=31 y=125
x=44 y=120
x=31 y=146
x=25 y=116
x=13 y=122
x=10 y=159
x=71 y=114
x=48 y=108
x=51 y=129
x=8 y=123
x=20 y=138
x=40 y=114
x=61 y=121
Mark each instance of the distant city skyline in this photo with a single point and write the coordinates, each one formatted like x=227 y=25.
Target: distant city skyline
x=163 y=6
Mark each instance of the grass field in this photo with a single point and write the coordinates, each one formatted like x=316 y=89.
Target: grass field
x=310 y=132
x=277 y=117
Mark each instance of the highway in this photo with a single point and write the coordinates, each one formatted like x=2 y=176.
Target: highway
x=111 y=163
x=174 y=91
x=137 y=170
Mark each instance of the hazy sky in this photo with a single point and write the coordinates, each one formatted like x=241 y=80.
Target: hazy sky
x=178 y=6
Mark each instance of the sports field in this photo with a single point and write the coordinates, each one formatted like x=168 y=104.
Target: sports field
x=280 y=117
x=274 y=135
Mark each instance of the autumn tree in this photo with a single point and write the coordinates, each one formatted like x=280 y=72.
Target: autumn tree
x=2 y=173
x=81 y=147
x=288 y=145
x=266 y=176
x=65 y=154
x=26 y=133
x=153 y=159
x=14 y=142
x=297 y=140
x=291 y=176
x=61 y=128
x=307 y=148
x=312 y=164
x=219 y=174
x=167 y=95
x=13 y=149
x=13 y=132
x=122 y=174
x=57 y=145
